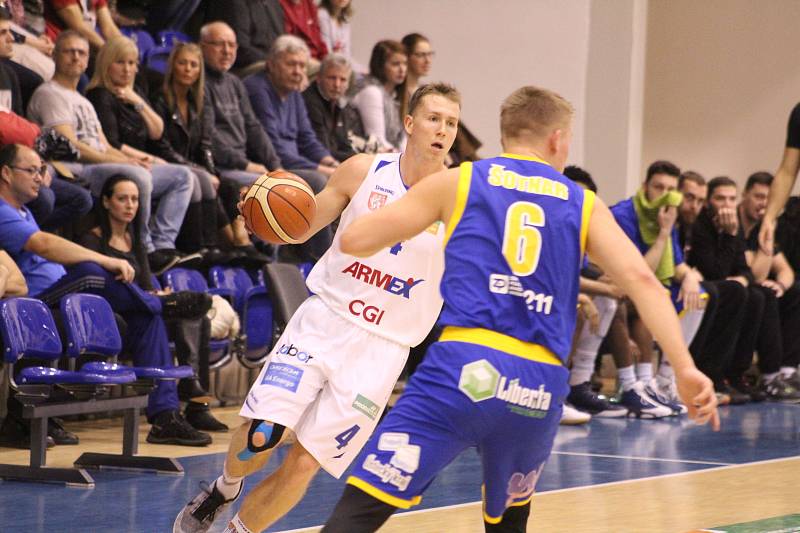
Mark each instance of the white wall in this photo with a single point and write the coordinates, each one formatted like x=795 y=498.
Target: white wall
x=488 y=48
x=722 y=77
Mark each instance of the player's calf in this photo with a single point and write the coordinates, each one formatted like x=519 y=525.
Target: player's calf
x=515 y=520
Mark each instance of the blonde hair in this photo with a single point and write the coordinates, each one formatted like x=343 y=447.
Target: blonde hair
x=533 y=111
x=198 y=86
x=114 y=49
x=439 y=88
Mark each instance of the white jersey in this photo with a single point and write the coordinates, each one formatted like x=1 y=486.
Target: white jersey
x=394 y=293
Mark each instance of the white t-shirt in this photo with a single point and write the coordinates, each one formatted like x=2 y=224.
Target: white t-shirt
x=53 y=105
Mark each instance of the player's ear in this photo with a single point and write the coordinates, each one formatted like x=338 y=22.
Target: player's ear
x=408 y=124
x=554 y=140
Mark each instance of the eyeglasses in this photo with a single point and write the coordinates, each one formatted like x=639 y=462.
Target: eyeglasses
x=222 y=44
x=33 y=171
x=424 y=55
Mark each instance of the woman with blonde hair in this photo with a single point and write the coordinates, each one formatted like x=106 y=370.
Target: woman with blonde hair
x=188 y=122
x=133 y=126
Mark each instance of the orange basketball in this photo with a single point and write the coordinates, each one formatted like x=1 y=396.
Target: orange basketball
x=279 y=207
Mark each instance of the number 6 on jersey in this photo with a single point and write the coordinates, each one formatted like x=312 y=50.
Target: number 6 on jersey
x=522 y=242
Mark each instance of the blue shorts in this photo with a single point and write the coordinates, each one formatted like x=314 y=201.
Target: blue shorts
x=463 y=395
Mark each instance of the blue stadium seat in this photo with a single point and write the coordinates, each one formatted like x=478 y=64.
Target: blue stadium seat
x=144 y=41
x=28 y=331
x=170 y=37
x=254 y=306
x=158 y=57
x=92 y=329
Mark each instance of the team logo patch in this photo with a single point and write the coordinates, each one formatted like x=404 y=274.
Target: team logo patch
x=366 y=406
x=376 y=200
x=480 y=380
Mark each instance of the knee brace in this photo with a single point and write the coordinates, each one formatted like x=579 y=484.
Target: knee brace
x=261 y=437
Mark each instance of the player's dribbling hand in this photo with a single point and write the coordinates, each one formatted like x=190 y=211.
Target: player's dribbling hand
x=697 y=393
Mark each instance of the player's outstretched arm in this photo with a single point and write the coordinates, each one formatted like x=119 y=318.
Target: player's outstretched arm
x=428 y=201
x=779 y=193
x=336 y=195
x=608 y=246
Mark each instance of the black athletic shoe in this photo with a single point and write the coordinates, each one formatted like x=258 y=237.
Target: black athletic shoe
x=198 y=515
x=779 y=390
x=745 y=386
x=56 y=431
x=583 y=398
x=200 y=417
x=737 y=396
x=170 y=427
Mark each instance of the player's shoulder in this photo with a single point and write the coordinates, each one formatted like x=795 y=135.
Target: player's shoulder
x=351 y=173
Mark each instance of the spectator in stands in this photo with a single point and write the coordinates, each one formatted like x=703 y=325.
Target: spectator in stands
x=31 y=49
x=242 y=149
x=332 y=117
x=42 y=257
x=59 y=105
x=420 y=58
x=334 y=24
x=83 y=16
x=693 y=188
x=771 y=270
x=256 y=25
x=279 y=106
x=300 y=19
x=376 y=99
x=132 y=126
x=115 y=237
x=188 y=125
x=648 y=219
x=718 y=252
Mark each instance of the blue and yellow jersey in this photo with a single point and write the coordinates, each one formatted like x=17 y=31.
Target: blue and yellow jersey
x=513 y=251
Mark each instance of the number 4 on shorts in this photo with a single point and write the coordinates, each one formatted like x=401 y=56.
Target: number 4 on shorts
x=345 y=436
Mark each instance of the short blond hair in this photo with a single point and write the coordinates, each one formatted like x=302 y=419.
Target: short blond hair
x=533 y=111
x=439 y=88
x=115 y=48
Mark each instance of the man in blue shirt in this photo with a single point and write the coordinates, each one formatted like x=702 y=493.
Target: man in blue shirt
x=648 y=219
x=279 y=105
x=42 y=256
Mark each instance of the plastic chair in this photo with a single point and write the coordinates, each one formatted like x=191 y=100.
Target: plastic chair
x=144 y=41
x=157 y=58
x=254 y=306
x=170 y=37
x=28 y=331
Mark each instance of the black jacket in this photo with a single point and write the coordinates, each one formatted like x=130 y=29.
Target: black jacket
x=186 y=144
x=256 y=23
x=332 y=123
x=715 y=254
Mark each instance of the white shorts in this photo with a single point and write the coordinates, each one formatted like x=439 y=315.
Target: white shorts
x=328 y=380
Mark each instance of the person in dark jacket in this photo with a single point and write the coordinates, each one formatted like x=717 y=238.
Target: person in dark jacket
x=332 y=117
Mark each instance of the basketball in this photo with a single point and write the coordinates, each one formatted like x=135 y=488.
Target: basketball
x=279 y=207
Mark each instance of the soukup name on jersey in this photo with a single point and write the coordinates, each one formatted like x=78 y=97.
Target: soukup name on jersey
x=388 y=282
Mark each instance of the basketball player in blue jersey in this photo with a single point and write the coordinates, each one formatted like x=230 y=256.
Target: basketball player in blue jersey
x=516 y=232
x=333 y=369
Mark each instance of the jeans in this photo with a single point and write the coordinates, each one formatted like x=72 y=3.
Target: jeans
x=170 y=184
x=59 y=204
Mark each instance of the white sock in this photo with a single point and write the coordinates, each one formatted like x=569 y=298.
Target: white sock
x=236 y=526
x=690 y=324
x=665 y=373
x=588 y=343
x=769 y=377
x=644 y=371
x=626 y=377
x=787 y=371
x=228 y=485
x=582 y=367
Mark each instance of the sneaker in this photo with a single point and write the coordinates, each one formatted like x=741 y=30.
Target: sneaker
x=666 y=395
x=162 y=260
x=779 y=390
x=199 y=417
x=198 y=515
x=56 y=431
x=572 y=417
x=584 y=398
x=170 y=427
x=793 y=380
x=737 y=395
x=742 y=385
x=722 y=398
x=641 y=405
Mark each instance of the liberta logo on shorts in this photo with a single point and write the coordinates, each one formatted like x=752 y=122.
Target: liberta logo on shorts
x=481 y=381
x=293 y=351
x=366 y=406
x=388 y=282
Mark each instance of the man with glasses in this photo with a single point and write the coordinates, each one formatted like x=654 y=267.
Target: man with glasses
x=241 y=147
x=54 y=267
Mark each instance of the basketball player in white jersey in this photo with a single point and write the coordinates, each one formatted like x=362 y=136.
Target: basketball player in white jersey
x=331 y=373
